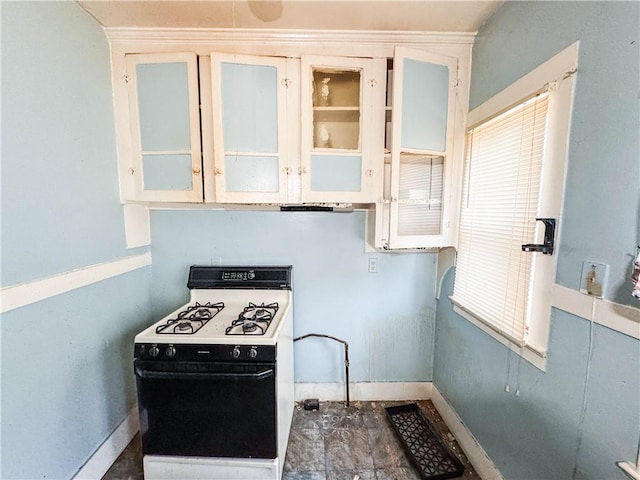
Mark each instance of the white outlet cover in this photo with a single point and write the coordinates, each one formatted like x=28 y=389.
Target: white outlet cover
x=601 y=271
x=373 y=265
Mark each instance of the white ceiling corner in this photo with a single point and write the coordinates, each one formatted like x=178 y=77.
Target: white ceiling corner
x=365 y=15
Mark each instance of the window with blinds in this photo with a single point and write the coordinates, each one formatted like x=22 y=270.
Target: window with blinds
x=500 y=201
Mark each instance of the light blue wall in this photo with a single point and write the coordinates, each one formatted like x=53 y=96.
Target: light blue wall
x=60 y=207
x=543 y=433
x=535 y=435
x=66 y=377
x=66 y=380
x=387 y=317
x=601 y=217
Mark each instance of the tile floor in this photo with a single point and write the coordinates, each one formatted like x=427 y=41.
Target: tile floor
x=333 y=443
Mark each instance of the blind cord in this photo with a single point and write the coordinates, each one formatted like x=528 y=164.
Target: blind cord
x=585 y=391
x=508 y=379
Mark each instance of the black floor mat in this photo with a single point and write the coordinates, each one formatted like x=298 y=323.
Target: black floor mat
x=431 y=456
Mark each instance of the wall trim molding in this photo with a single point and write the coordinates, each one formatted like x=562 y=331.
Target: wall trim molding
x=16 y=296
x=248 y=36
x=107 y=453
x=280 y=43
x=616 y=316
x=471 y=447
x=621 y=318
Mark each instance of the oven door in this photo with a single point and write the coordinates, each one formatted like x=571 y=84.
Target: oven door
x=207 y=409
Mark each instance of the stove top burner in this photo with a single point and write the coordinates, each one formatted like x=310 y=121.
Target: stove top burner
x=253 y=320
x=249 y=327
x=191 y=319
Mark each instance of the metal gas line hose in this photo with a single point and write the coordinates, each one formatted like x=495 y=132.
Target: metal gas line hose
x=346 y=354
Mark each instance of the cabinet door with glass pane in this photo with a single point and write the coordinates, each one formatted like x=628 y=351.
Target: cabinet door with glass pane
x=342 y=129
x=250 y=137
x=166 y=159
x=421 y=146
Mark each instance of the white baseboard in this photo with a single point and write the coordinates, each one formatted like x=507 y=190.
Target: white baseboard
x=364 y=391
x=632 y=471
x=111 y=448
x=481 y=462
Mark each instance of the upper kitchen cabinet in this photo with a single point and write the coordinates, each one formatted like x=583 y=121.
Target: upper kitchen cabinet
x=164 y=121
x=423 y=189
x=254 y=119
x=342 y=129
x=253 y=101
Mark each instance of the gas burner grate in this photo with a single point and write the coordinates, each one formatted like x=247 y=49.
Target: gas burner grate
x=191 y=319
x=428 y=452
x=253 y=320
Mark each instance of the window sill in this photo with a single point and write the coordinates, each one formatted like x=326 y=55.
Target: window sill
x=534 y=357
x=620 y=318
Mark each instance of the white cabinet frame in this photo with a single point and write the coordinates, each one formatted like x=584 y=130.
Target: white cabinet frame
x=215 y=171
x=347 y=45
x=450 y=186
x=371 y=134
x=138 y=192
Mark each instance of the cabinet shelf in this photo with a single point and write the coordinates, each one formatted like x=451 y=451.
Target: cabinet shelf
x=342 y=114
x=337 y=109
x=338 y=115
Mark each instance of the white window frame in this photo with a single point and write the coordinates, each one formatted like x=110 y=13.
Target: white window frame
x=556 y=75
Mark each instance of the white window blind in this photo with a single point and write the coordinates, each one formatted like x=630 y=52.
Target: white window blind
x=420 y=198
x=501 y=193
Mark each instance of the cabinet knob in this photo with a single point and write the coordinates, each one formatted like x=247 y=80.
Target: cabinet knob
x=303 y=170
x=287 y=171
x=370 y=173
x=394 y=199
x=132 y=170
x=286 y=82
x=372 y=82
x=217 y=171
x=196 y=171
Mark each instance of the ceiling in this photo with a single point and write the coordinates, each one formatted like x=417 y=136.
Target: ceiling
x=385 y=15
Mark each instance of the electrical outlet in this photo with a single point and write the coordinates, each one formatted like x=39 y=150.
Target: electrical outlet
x=594 y=278
x=373 y=265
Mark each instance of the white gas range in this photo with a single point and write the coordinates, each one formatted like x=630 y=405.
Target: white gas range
x=215 y=377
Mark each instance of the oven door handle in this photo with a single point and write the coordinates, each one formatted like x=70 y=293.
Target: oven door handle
x=155 y=375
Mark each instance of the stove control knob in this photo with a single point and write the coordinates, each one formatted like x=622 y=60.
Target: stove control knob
x=170 y=351
x=154 y=351
x=253 y=353
x=235 y=353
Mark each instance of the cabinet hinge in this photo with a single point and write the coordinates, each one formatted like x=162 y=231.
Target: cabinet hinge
x=456 y=82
